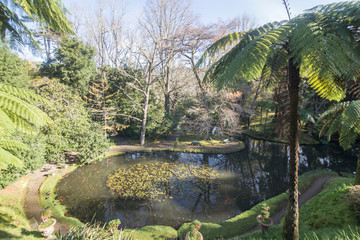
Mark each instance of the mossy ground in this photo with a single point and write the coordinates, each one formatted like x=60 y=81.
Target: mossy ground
x=326 y=216
x=48 y=198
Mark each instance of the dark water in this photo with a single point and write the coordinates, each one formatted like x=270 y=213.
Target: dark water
x=257 y=173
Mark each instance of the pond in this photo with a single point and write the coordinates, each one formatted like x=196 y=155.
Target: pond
x=207 y=187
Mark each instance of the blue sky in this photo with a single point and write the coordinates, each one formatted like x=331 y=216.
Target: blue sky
x=209 y=11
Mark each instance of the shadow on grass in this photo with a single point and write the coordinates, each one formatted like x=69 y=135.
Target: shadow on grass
x=6 y=235
x=31 y=233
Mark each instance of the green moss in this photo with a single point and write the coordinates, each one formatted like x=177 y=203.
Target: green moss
x=49 y=200
x=13 y=221
x=155 y=232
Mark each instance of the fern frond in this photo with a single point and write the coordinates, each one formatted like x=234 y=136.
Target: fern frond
x=6 y=124
x=13 y=145
x=16 y=106
x=51 y=12
x=344 y=119
x=24 y=94
x=246 y=60
x=6 y=158
x=327 y=51
x=330 y=119
x=218 y=46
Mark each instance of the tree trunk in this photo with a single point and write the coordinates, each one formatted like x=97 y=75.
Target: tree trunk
x=144 y=118
x=357 y=177
x=291 y=224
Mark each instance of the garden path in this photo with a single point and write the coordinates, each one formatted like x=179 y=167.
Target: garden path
x=314 y=189
x=31 y=204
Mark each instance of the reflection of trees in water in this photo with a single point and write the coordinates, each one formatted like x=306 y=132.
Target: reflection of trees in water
x=247 y=177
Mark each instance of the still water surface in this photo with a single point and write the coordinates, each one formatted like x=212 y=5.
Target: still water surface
x=256 y=173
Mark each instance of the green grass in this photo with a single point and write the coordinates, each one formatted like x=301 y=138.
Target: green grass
x=49 y=200
x=247 y=220
x=326 y=216
x=154 y=233
x=13 y=221
x=335 y=212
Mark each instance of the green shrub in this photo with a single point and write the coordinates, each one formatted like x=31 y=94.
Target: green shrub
x=95 y=231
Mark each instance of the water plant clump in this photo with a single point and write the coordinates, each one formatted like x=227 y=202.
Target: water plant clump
x=162 y=180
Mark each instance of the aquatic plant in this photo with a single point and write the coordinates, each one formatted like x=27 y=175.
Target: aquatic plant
x=162 y=180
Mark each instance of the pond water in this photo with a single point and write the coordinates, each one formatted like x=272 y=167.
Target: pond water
x=245 y=178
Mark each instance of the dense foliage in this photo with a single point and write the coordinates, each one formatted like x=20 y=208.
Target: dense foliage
x=73 y=64
x=72 y=133
x=13 y=70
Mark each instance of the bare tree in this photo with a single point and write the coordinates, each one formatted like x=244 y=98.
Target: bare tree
x=165 y=23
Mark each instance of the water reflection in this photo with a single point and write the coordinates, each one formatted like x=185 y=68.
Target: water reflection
x=248 y=177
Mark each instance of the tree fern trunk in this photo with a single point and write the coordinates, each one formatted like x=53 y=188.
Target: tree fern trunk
x=291 y=224
x=357 y=177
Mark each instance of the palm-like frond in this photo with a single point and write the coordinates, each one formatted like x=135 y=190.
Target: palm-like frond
x=14 y=106
x=7 y=158
x=11 y=21
x=344 y=119
x=219 y=46
x=17 y=112
x=24 y=94
x=246 y=60
x=51 y=12
x=7 y=150
x=326 y=50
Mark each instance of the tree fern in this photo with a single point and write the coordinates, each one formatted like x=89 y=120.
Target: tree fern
x=321 y=46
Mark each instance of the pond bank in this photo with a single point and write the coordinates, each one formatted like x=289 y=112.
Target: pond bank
x=123 y=146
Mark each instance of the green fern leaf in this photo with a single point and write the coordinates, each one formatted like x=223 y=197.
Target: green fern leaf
x=6 y=158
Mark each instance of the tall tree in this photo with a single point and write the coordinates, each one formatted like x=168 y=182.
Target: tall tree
x=73 y=64
x=319 y=46
x=165 y=22
x=13 y=70
x=101 y=100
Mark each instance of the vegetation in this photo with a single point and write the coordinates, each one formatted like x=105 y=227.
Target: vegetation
x=73 y=64
x=274 y=81
x=343 y=119
x=95 y=231
x=49 y=12
x=155 y=181
x=333 y=220
x=48 y=199
x=72 y=133
x=247 y=220
x=295 y=46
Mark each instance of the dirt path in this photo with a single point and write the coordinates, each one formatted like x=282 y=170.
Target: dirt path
x=31 y=204
x=314 y=189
